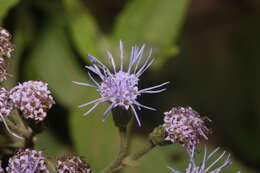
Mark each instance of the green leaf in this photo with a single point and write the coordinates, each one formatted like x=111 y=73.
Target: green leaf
x=5 y=6
x=95 y=140
x=52 y=146
x=176 y=157
x=154 y=22
x=52 y=59
x=83 y=28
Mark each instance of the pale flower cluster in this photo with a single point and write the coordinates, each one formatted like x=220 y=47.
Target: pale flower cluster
x=5 y=105
x=183 y=125
x=33 y=99
x=27 y=161
x=73 y=164
x=6 y=46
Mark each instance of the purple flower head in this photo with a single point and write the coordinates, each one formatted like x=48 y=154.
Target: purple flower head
x=193 y=168
x=120 y=87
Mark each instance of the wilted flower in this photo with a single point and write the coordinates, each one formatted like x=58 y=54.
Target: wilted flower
x=6 y=46
x=33 y=99
x=184 y=126
x=120 y=87
x=27 y=161
x=193 y=168
x=72 y=164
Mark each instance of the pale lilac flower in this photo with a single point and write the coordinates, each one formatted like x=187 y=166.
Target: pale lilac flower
x=73 y=164
x=33 y=98
x=27 y=161
x=184 y=125
x=120 y=86
x=202 y=168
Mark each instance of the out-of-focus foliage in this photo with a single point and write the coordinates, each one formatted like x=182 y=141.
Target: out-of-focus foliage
x=5 y=7
x=83 y=28
x=141 y=21
x=53 y=38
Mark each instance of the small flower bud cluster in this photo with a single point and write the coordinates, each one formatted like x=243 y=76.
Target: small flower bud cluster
x=33 y=99
x=72 y=164
x=5 y=105
x=27 y=161
x=3 y=72
x=184 y=126
x=6 y=47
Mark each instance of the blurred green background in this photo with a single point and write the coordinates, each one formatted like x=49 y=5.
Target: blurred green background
x=207 y=49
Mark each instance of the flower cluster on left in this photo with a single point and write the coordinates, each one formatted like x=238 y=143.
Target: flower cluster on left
x=28 y=101
x=32 y=98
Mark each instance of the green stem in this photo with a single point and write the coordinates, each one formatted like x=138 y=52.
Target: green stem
x=122 y=152
x=130 y=160
x=149 y=146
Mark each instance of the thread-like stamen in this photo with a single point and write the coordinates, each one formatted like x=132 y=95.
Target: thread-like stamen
x=84 y=84
x=95 y=105
x=136 y=116
x=106 y=113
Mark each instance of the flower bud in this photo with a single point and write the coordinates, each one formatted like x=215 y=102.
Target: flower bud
x=72 y=164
